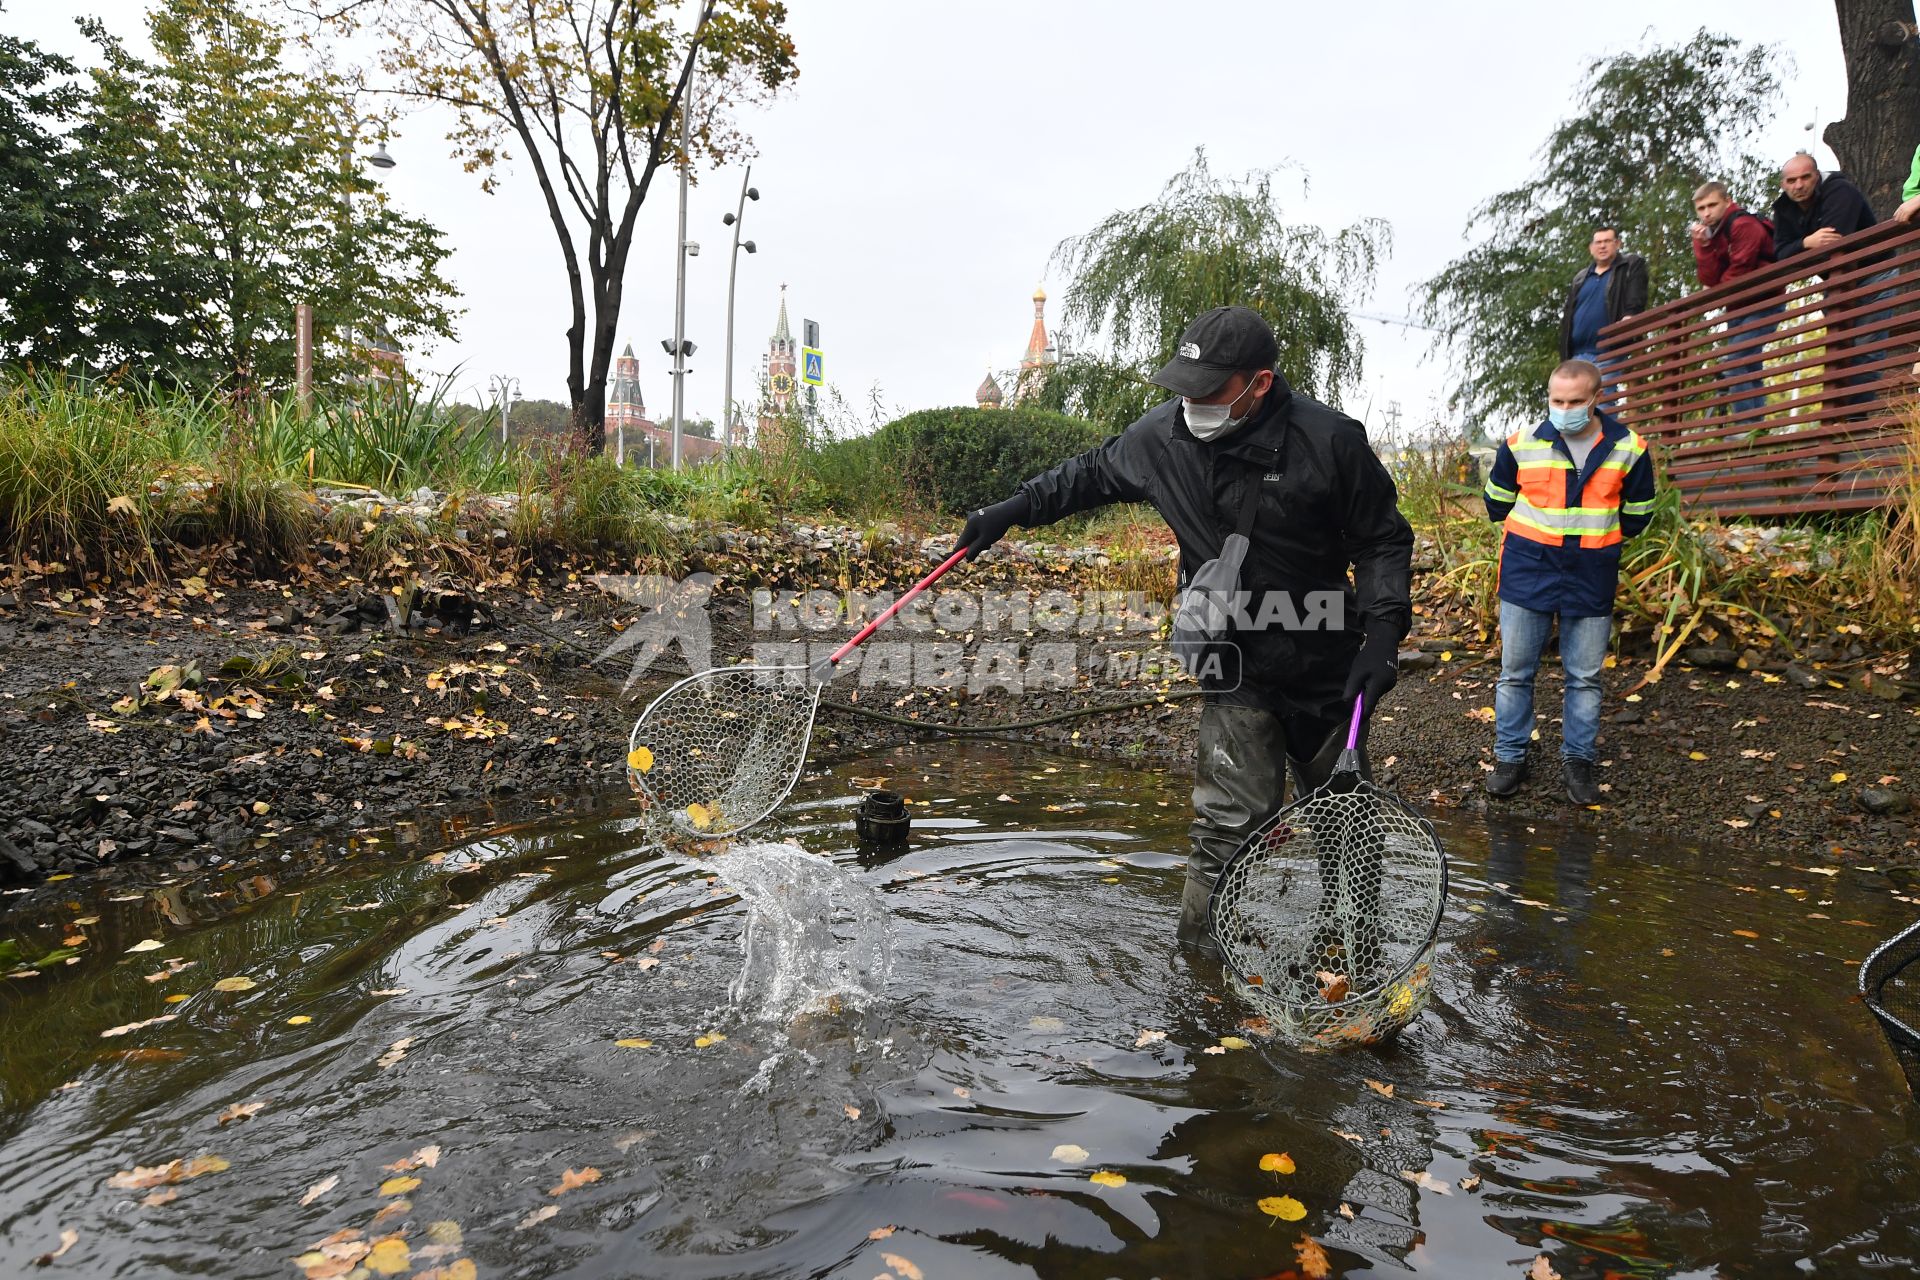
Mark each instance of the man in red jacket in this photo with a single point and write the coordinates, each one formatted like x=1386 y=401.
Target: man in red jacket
x=1729 y=242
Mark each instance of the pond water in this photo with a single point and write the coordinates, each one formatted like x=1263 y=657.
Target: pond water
x=1640 y=1060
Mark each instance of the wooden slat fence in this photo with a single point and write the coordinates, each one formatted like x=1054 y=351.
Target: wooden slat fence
x=1836 y=336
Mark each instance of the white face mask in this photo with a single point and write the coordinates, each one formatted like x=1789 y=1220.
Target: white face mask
x=1210 y=421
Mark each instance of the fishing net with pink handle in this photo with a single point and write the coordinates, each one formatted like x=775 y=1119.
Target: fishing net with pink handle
x=1328 y=915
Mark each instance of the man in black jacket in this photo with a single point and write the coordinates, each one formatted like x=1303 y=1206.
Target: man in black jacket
x=1237 y=448
x=1612 y=286
x=1814 y=212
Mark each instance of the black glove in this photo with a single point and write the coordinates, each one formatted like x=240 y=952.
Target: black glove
x=990 y=524
x=1376 y=668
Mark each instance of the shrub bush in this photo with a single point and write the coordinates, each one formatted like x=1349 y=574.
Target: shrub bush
x=957 y=460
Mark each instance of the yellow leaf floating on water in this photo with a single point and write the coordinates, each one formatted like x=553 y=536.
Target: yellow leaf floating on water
x=633 y=1042
x=1277 y=1162
x=398 y=1186
x=1108 y=1178
x=707 y=1041
x=299 y=1020
x=640 y=759
x=1235 y=1042
x=148 y=944
x=1285 y=1208
x=390 y=1256
x=235 y=984
x=698 y=815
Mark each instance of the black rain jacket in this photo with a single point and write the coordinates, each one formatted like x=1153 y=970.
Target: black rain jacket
x=1326 y=504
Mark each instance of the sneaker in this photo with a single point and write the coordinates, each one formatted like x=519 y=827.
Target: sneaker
x=1506 y=777
x=1580 y=785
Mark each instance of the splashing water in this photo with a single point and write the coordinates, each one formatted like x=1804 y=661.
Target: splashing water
x=816 y=936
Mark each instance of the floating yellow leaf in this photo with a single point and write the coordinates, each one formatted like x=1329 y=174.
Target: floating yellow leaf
x=299 y=1020
x=398 y=1186
x=1108 y=1178
x=240 y=1111
x=149 y=944
x=707 y=1041
x=640 y=759
x=390 y=1256
x=1285 y=1208
x=698 y=815
x=1235 y=1042
x=633 y=1042
x=235 y=984
x=1070 y=1153
x=176 y=999
x=1277 y=1162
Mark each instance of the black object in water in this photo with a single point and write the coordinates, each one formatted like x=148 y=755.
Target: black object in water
x=882 y=818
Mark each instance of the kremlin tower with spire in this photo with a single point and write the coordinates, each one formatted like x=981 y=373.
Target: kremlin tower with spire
x=779 y=373
x=1034 y=365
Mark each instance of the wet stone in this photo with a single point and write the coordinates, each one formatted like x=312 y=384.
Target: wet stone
x=1880 y=800
x=1712 y=658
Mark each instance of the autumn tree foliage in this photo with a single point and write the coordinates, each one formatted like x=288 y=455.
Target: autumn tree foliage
x=586 y=98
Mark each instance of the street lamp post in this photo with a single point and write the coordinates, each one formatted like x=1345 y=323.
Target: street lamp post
x=736 y=220
x=506 y=390
x=683 y=250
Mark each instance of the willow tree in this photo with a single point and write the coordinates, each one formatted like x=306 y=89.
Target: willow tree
x=1649 y=127
x=1142 y=275
x=588 y=94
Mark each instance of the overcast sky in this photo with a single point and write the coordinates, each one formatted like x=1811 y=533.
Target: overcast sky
x=918 y=175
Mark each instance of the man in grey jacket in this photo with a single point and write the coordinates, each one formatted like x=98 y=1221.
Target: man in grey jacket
x=1236 y=448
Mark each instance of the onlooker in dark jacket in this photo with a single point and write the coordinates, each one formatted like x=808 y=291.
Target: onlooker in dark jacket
x=1729 y=242
x=1614 y=285
x=1813 y=210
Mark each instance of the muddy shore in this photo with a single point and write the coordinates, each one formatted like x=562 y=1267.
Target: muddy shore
x=209 y=720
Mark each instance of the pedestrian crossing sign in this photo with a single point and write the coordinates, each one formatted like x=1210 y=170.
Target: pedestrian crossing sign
x=810 y=365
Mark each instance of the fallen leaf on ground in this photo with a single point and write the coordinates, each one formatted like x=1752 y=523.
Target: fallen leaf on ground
x=1277 y=1162
x=1070 y=1153
x=1285 y=1208
x=241 y=1111
x=1426 y=1181
x=569 y=1180
x=903 y=1265
x=1149 y=1037
x=110 y=1032
x=1384 y=1090
x=1542 y=1269
x=68 y=1239
x=1108 y=1178
x=536 y=1217
x=1314 y=1263
x=320 y=1188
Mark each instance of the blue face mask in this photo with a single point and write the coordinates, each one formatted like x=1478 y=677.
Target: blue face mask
x=1570 y=421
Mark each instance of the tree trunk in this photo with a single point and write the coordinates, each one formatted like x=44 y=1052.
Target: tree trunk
x=1876 y=140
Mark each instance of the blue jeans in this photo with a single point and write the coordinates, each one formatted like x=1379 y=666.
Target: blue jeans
x=1746 y=339
x=1583 y=651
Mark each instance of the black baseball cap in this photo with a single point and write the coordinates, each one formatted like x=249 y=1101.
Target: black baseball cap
x=1215 y=347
